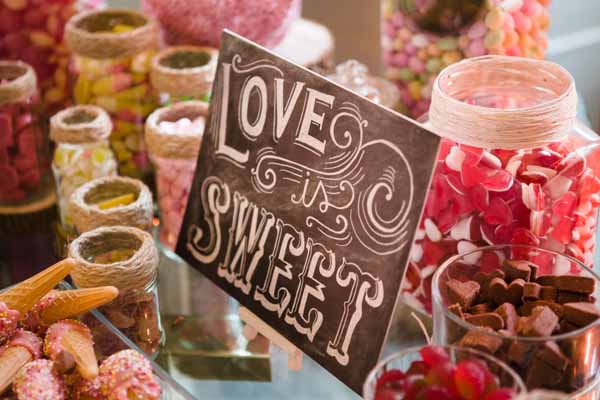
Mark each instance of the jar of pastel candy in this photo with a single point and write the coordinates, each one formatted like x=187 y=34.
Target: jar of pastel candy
x=111 y=69
x=174 y=135
x=24 y=151
x=514 y=167
x=127 y=258
x=82 y=152
x=183 y=73
x=420 y=38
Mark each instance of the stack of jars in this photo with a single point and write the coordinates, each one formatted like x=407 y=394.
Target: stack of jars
x=420 y=40
x=112 y=56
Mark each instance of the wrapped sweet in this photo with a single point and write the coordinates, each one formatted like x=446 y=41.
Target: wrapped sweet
x=82 y=152
x=183 y=73
x=111 y=69
x=126 y=258
x=202 y=22
x=513 y=167
x=174 y=135
x=420 y=38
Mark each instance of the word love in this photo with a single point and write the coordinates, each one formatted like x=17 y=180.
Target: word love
x=290 y=279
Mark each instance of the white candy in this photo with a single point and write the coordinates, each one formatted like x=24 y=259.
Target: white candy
x=558 y=186
x=491 y=160
x=416 y=253
x=462 y=229
x=464 y=247
x=562 y=266
x=432 y=231
x=420 y=234
x=455 y=158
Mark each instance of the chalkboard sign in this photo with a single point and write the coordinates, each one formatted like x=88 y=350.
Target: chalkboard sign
x=304 y=205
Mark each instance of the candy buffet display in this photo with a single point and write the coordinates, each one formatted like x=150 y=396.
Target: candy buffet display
x=111 y=69
x=112 y=200
x=174 y=135
x=126 y=258
x=201 y=22
x=82 y=152
x=514 y=167
x=420 y=38
x=534 y=309
x=183 y=73
x=24 y=158
x=434 y=372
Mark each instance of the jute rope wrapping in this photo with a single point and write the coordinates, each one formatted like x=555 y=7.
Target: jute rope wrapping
x=136 y=272
x=20 y=82
x=86 y=215
x=179 y=146
x=90 y=33
x=176 y=72
x=547 y=120
x=80 y=124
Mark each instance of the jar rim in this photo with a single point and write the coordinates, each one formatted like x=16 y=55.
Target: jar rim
x=21 y=83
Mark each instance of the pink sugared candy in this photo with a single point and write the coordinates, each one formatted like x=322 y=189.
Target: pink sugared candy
x=201 y=22
x=38 y=380
x=128 y=375
x=8 y=322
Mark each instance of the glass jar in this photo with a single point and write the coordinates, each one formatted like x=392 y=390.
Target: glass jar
x=126 y=258
x=82 y=152
x=514 y=166
x=111 y=69
x=202 y=22
x=355 y=76
x=174 y=135
x=574 y=363
x=183 y=73
x=403 y=360
x=110 y=201
x=420 y=38
x=24 y=151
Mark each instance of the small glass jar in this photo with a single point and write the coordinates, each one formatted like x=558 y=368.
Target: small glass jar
x=507 y=378
x=110 y=201
x=355 y=76
x=174 y=135
x=420 y=38
x=579 y=348
x=514 y=166
x=82 y=152
x=126 y=258
x=183 y=73
x=111 y=69
x=24 y=151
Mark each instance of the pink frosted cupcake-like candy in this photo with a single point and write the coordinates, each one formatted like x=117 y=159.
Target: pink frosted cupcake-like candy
x=38 y=380
x=128 y=375
x=8 y=322
x=201 y=22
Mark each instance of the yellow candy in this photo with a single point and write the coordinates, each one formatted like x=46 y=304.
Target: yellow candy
x=451 y=57
x=120 y=28
x=134 y=93
x=60 y=77
x=124 y=128
x=111 y=84
x=138 y=77
x=54 y=95
x=82 y=90
x=129 y=169
x=495 y=19
x=122 y=200
x=139 y=110
x=493 y=39
x=123 y=155
x=132 y=142
x=110 y=104
x=41 y=39
x=414 y=88
x=100 y=155
x=141 y=63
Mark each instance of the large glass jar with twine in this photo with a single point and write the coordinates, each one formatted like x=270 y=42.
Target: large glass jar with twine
x=82 y=152
x=110 y=201
x=514 y=167
x=127 y=258
x=183 y=73
x=174 y=135
x=112 y=50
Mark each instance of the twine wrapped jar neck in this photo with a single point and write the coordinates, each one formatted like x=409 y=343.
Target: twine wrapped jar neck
x=17 y=82
x=178 y=145
x=87 y=214
x=92 y=34
x=80 y=124
x=120 y=256
x=184 y=70
x=503 y=102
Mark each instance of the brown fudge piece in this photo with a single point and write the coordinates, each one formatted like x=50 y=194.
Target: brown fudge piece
x=540 y=374
x=572 y=297
x=501 y=293
x=463 y=293
x=481 y=341
x=552 y=355
x=581 y=314
x=480 y=308
x=566 y=326
x=534 y=271
x=516 y=269
x=484 y=281
x=531 y=291
x=509 y=315
x=578 y=284
x=546 y=280
x=489 y=319
x=541 y=322
x=529 y=306
x=514 y=293
x=548 y=293
x=520 y=353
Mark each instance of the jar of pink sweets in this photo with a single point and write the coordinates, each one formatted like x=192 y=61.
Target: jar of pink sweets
x=420 y=38
x=514 y=167
x=174 y=135
x=111 y=69
x=24 y=151
x=183 y=73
